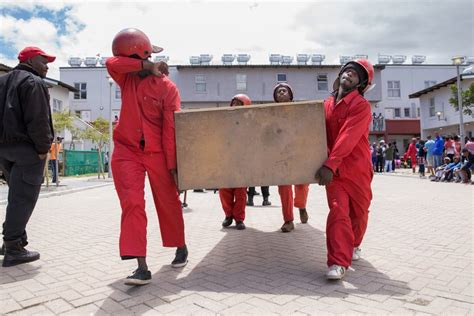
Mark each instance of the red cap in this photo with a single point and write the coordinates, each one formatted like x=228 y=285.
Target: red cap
x=31 y=51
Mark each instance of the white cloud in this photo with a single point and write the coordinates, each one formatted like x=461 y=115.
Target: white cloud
x=186 y=28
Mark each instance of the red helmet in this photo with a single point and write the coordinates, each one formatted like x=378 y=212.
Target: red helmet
x=367 y=65
x=241 y=97
x=132 y=41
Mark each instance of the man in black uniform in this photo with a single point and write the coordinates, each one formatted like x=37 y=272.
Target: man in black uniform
x=26 y=134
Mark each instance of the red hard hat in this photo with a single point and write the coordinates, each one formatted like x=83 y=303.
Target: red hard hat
x=132 y=41
x=367 y=65
x=242 y=97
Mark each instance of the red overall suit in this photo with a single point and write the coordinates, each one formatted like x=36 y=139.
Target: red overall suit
x=349 y=194
x=286 y=197
x=233 y=202
x=147 y=113
x=411 y=152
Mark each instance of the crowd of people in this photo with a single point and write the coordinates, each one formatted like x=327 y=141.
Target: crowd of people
x=440 y=158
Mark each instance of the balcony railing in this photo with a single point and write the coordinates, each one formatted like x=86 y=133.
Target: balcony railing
x=378 y=125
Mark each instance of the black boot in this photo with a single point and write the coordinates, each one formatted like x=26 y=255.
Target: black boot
x=249 y=200
x=16 y=254
x=266 y=202
x=23 y=242
x=227 y=221
x=181 y=258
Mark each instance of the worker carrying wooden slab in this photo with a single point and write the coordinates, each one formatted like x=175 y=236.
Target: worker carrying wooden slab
x=268 y=144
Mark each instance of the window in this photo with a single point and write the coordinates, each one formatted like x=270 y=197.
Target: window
x=82 y=94
x=281 y=77
x=322 y=82
x=241 y=80
x=57 y=105
x=406 y=112
x=429 y=83
x=200 y=83
x=393 y=89
x=118 y=94
x=397 y=112
x=77 y=113
x=432 y=107
x=418 y=112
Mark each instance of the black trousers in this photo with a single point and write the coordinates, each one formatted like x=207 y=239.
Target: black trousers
x=23 y=170
x=265 y=191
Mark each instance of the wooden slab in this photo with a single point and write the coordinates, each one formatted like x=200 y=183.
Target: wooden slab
x=268 y=144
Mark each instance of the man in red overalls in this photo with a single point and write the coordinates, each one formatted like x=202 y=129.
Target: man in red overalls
x=144 y=140
x=283 y=93
x=234 y=200
x=347 y=173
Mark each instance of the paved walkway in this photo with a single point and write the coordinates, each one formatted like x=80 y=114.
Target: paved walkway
x=417 y=258
x=66 y=185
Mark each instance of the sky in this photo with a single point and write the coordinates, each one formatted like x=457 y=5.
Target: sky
x=438 y=29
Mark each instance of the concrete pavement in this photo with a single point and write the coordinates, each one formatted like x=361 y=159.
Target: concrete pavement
x=417 y=258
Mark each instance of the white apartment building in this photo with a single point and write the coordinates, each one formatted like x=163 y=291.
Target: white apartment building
x=437 y=114
x=204 y=84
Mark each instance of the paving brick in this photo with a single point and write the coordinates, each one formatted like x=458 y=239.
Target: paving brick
x=413 y=263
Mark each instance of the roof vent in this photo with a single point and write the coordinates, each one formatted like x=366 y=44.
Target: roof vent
x=384 y=59
x=360 y=56
x=418 y=59
x=275 y=59
x=205 y=59
x=90 y=61
x=103 y=60
x=163 y=58
x=243 y=59
x=228 y=59
x=317 y=59
x=286 y=60
x=75 y=61
x=195 y=60
x=344 y=59
x=399 y=59
x=302 y=59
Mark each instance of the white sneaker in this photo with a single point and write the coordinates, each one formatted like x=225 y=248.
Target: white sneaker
x=335 y=272
x=356 y=254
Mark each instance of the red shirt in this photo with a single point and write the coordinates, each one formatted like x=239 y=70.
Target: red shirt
x=148 y=107
x=347 y=129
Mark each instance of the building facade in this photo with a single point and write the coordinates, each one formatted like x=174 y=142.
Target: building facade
x=437 y=114
x=397 y=116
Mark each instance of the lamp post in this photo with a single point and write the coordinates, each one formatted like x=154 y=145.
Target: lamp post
x=111 y=81
x=458 y=61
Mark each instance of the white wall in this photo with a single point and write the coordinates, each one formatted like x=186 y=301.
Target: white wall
x=412 y=79
x=430 y=124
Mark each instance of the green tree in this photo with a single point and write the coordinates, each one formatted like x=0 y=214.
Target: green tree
x=98 y=133
x=466 y=96
x=65 y=121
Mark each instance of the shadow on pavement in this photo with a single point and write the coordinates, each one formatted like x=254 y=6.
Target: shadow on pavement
x=18 y=273
x=258 y=262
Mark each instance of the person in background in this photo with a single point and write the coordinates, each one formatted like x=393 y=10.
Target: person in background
x=233 y=200
x=438 y=150
x=54 y=155
x=26 y=134
x=412 y=153
x=283 y=93
x=429 y=148
x=421 y=158
x=389 y=158
x=449 y=147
